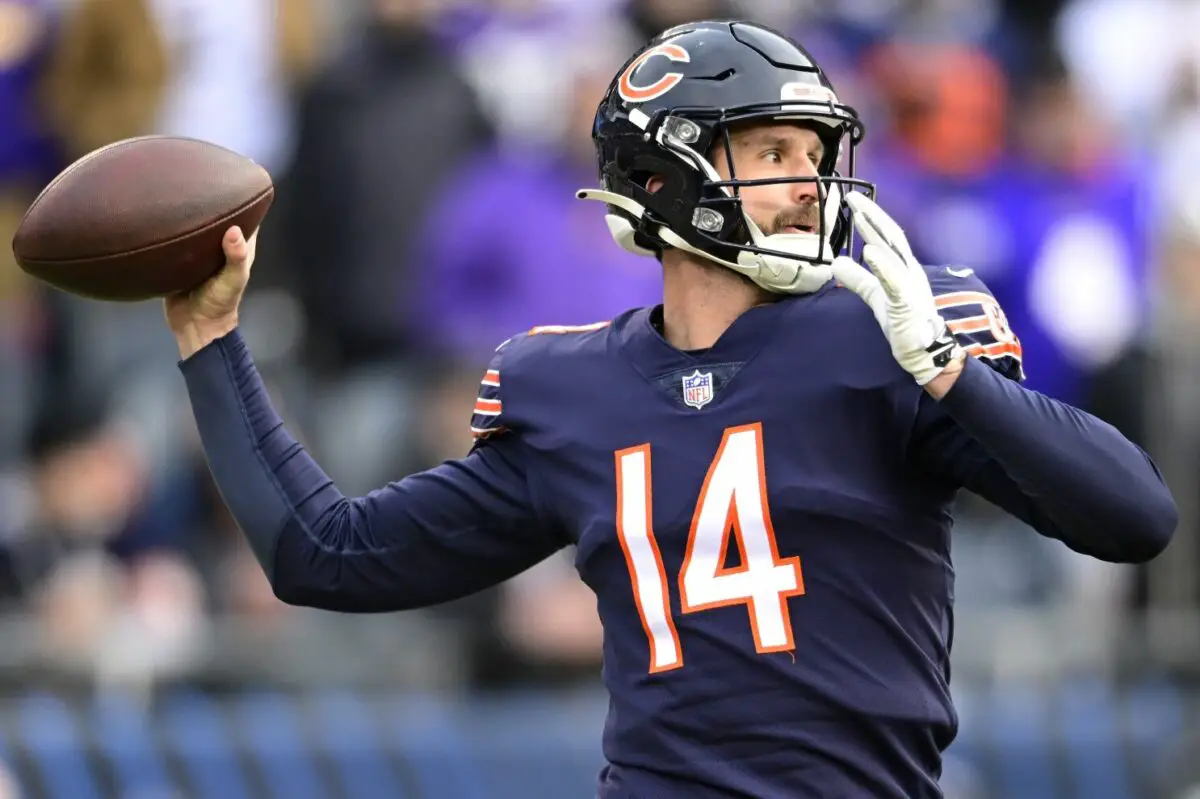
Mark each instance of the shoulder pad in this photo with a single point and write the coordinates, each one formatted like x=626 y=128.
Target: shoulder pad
x=976 y=319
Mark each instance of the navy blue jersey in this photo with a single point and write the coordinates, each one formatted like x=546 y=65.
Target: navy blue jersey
x=766 y=525
x=762 y=542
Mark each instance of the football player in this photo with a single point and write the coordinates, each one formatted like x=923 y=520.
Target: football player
x=758 y=474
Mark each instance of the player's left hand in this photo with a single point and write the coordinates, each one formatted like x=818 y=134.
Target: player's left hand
x=898 y=292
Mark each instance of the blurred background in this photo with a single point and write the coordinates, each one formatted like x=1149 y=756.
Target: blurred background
x=426 y=153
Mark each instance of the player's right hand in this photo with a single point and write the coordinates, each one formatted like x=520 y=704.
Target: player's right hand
x=898 y=292
x=210 y=311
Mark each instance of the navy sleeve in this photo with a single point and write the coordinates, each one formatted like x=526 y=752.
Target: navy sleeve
x=1066 y=473
x=429 y=538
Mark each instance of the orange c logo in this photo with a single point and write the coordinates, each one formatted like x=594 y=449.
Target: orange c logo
x=640 y=94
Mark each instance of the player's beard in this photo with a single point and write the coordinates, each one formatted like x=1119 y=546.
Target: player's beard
x=805 y=218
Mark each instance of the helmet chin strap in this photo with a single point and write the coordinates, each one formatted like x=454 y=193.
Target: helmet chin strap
x=774 y=273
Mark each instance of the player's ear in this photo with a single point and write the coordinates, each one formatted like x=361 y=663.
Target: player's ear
x=655 y=183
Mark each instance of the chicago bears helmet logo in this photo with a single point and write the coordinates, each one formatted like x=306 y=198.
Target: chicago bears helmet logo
x=632 y=93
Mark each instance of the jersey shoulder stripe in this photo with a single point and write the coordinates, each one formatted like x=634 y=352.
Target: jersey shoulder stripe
x=487 y=417
x=975 y=317
x=533 y=358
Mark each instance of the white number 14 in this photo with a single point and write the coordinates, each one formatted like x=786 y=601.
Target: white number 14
x=733 y=501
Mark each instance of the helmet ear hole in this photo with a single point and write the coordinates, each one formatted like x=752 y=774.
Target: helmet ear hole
x=650 y=181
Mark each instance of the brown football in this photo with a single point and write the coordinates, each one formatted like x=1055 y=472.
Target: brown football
x=141 y=218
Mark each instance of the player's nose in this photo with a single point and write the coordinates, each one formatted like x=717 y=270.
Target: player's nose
x=805 y=191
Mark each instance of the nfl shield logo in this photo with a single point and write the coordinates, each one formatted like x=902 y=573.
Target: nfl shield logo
x=698 y=389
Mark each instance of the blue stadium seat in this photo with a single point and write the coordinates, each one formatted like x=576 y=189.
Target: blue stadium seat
x=1018 y=739
x=1155 y=725
x=125 y=738
x=51 y=734
x=535 y=745
x=428 y=740
x=6 y=759
x=1017 y=716
x=349 y=731
x=193 y=726
x=274 y=735
x=1087 y=719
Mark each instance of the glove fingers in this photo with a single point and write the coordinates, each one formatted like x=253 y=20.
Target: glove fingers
x=888 y=268
x=861 y=216
x=876 y=227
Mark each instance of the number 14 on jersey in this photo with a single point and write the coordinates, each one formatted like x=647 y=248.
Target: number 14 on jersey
x=732 y=502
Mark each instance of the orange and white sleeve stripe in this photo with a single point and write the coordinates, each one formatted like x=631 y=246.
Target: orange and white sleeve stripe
x=486 y=417
x=978 y=322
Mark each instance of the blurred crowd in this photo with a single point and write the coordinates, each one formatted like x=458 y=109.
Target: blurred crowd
x=426 y=154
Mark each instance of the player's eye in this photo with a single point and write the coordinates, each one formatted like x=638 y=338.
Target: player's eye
x=774 y=156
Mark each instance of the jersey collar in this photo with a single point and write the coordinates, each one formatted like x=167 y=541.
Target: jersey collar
x=653 y=356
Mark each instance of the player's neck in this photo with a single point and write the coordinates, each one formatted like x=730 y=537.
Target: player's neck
x=701 y=300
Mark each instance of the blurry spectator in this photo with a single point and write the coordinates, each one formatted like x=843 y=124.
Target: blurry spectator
x=380 y=129
x=1125 y=55
x=214 y=71
x=947 y=107
x=234 y=66
x=122 y=68
x=506 y=247
x=1152 y=394
x=545 y=631
x=505 y=46
x=1079 y=204
x=1175 y=140
x=504 y=52
x=651 y=17
x=28 y=159
x=222 y=72
x=1053 y=218
x=107 y=74
x=96 y=559
x=937 y=150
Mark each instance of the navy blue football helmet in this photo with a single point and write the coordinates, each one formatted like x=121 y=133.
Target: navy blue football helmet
x=679 y=96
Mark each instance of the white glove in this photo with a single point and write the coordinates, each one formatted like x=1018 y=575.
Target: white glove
x=898 y=292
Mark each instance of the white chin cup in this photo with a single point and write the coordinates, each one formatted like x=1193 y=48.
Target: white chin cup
x=801 y=275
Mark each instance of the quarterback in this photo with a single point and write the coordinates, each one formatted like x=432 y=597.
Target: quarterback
x=757 y=475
